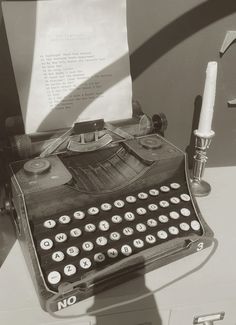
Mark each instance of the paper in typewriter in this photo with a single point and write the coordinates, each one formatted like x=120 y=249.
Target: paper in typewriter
x=71 y=61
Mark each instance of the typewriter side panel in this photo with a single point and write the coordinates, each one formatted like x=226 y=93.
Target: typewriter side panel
x=24 y=236
x=208 y=233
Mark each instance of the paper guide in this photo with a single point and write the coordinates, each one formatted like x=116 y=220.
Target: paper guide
x=71 y=61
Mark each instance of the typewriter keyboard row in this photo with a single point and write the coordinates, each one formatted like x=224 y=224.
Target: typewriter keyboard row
x=90 y=238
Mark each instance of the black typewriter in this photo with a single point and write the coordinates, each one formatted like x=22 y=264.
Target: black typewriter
x=107 y=203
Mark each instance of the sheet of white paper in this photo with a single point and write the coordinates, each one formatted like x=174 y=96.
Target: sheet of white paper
x=70 y=59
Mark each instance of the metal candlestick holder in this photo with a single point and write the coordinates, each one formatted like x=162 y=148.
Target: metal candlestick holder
x=202 y=143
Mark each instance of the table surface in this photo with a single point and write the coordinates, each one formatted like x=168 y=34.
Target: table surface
x=214 y=282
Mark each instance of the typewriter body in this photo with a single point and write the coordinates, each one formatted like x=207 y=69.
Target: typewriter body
x=113 y=201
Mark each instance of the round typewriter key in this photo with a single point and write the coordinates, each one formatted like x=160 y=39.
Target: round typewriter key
x=61 y=237
x=195 y=225
x=163 y=219
x=87 y=246
x=184 y=226
x=69 y=269
x=37 y=166
x=142 y=196
x=58 y=256
x=90 y=227
x=153 y=192
x=49 y=223
x=185 y=212
x=150 y=239
x=85 y=263
x=72 y=251
x=162 y=234
x=152 y=207
x=173 y=230
x=131 y=199
x=126 y=250
x=175 y=186
x=104 y=225
x=174 y=200
x=138 y=243
x=64 y=219
x=112 y=253
x=93 y=211
x=54 y=277
x=106 y=206
x=185 y=197
x=99 y=257
x=79 y=215
x=141 y=211
x=174 y=215
x=46 y=244
x=114 y=235
x=116 y=219
x=164 y=204
x=152 y=223
x=141 y=227
x=101 y=241
x=128 y=231
x=129 y=216
x=165 y=189
x=119 y=204
x=75 y=232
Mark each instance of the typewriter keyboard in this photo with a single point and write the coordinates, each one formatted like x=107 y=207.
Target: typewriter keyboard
x=90 y=238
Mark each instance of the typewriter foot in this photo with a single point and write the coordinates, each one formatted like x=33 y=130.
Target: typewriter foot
x=200 y=188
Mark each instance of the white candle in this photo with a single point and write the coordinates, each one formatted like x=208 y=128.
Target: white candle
x=208 y=100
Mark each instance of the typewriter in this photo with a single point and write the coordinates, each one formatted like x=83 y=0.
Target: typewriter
x=101 y=203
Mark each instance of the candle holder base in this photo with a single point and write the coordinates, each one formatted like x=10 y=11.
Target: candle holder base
x=200 y=188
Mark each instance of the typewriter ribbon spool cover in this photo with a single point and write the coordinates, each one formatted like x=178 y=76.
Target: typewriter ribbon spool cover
x=93 y=216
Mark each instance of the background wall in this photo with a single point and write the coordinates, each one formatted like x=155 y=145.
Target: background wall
x=171 y=42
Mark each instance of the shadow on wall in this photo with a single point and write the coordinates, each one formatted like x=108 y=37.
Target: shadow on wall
x=154 y=48
x=177 y=31
x=164 y=40
x=8 y=92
